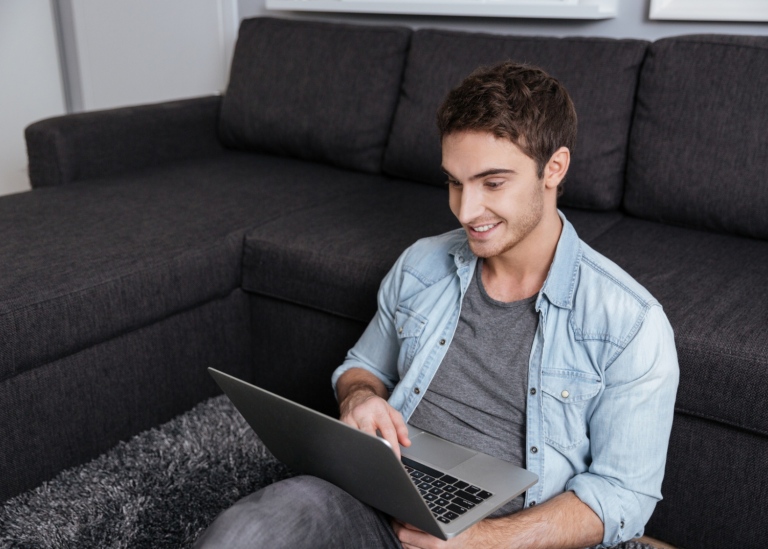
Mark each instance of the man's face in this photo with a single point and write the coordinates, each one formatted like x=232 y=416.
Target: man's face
x=494 y=192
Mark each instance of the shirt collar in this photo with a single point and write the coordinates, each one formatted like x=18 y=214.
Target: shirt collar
x=561 y=279
x=462 y=255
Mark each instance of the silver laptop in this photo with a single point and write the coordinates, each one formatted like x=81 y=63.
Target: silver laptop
x=439 y=487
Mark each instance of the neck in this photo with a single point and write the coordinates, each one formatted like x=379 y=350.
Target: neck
x=520 y=272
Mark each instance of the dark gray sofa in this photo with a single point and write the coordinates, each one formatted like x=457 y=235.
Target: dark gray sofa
x=250 y=233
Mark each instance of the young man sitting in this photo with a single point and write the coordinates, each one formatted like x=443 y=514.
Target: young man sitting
x=509 y=335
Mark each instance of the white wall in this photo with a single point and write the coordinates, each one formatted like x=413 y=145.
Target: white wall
x=127 y=52
x=30 y=82
x=632 y=22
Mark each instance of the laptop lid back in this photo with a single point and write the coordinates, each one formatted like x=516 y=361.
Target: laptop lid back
x=312 y=443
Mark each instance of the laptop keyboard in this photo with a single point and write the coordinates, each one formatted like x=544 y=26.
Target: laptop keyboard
x=447 y=496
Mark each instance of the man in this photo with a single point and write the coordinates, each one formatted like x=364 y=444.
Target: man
x=509 y=335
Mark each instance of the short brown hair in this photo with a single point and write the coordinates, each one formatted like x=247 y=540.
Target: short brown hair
x=515 y=101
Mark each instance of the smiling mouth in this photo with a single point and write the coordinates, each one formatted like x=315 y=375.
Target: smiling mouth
x=482 y=229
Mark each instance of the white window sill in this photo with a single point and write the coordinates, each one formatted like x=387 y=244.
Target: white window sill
x=546 y=9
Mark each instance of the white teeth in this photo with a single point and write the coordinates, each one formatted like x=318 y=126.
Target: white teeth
x=484 y=228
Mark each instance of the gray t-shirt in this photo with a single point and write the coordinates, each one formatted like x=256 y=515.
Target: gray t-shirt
x=477 y=397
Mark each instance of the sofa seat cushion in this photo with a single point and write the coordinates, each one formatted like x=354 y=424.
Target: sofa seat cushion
x=698 y=152
x=590 y=224
x=90 y=260
x=599 y=73
x=314 y=90
x=714 y=290
x=333 y=257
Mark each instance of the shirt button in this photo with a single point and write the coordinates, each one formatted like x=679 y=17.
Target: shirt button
x=442 y=342
x=417 y=390
x=565 y=394
x=534 y=449
x=533 y=391
x=622 y=524
x=532 y=504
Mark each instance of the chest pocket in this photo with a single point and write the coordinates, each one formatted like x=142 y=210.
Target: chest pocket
x=409 y=326
x=567 y=395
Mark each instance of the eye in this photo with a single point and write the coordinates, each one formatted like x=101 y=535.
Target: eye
x=494 y=184
x=453 y=183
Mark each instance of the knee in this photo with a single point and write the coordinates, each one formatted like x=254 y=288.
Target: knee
x=308 y=491
x=284 y=514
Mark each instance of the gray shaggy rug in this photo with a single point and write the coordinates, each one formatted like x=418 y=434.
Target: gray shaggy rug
x=158 y=490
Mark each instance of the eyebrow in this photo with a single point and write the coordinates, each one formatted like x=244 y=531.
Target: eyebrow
x=486 y=173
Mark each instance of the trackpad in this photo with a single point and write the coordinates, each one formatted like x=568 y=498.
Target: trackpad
x=441 y=453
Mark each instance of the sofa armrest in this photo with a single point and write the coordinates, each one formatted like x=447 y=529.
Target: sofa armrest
x=101 y=143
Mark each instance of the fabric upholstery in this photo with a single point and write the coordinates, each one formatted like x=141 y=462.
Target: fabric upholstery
x=296 y=349
x=714 y=290
x=591 y=224
x=87 y=261
x=333 y=257
x=698 y=152
x=600 y=74
x=70 y=410
x=315 y=91
x=714 y=491
x=94 y=144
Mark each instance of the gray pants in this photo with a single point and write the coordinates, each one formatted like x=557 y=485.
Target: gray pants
x=300 y=512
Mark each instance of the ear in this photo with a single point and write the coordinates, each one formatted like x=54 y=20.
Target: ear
x=557 y=167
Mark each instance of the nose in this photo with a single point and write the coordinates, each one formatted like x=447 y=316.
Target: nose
x=470 y=204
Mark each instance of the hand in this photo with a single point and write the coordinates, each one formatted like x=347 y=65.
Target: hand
x=564 y=521
x=413 y=538
x=365 y=410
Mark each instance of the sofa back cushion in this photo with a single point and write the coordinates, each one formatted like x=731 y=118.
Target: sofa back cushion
x=698 y=154
x=599 y=73
x=316 y=91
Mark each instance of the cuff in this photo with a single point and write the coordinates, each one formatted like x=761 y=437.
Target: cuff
x=602 y=497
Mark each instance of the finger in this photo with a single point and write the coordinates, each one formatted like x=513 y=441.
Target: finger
x=389 y=433
x=375 y=416
x=412 y=528
x=400 y=427
x=398 y=525
x=413 y=537
x=369 y=417
x=400 y=531
x=379 y=418
x=361 y=422
x=349 y=420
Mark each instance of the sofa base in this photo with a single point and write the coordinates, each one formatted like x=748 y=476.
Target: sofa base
x=719 y=472
x=68 y=411
x=296 y=349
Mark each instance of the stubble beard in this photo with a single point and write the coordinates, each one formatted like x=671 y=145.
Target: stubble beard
x=523 y=227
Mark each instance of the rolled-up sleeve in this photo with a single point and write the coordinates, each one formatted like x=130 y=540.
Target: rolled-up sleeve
x=629 y=432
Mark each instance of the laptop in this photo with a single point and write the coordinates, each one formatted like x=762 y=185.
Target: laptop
x=438 y=486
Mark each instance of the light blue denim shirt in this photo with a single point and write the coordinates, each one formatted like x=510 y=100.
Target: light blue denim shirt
x=602 y=376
